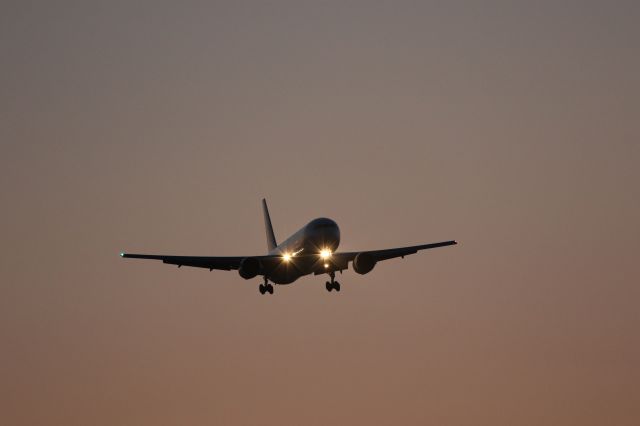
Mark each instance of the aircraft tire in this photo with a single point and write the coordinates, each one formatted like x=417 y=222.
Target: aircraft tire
x=336 y=285
x=270 y=288
x=262 y=289
x=329 y=286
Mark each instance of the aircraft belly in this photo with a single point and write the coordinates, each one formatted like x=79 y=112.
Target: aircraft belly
x=284 y=277
x=286 y=273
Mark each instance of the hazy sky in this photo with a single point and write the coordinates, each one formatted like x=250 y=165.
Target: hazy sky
x=148 y=126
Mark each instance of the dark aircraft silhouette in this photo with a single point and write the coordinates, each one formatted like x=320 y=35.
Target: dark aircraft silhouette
x=310 y=250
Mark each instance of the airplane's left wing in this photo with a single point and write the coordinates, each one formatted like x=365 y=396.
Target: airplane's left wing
x=379 y=255
x=225 y=263
x=370 y=257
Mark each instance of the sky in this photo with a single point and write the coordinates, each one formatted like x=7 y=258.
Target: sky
x=157 y=127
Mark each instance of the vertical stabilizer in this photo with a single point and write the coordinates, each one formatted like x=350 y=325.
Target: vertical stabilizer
x=271 y=238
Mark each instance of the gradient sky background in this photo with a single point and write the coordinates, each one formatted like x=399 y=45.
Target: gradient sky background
x=157 y=127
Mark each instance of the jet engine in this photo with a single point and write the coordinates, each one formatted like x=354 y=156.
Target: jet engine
x=363 y=263
x=249 y=268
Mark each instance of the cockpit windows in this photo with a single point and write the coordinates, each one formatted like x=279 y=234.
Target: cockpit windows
x=325 y=225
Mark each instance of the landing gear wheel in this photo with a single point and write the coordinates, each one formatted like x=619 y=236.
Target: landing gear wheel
x=262 y=289
x=335 y=285
x=270 y=288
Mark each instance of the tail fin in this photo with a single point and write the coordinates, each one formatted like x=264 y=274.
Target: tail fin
x=271 y=238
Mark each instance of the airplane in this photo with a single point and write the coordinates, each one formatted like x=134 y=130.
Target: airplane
x=311 y=250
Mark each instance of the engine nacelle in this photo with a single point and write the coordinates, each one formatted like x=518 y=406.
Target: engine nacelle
x=249 y=268
x=363 y=263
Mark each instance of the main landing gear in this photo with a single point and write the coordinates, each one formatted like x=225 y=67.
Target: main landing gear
x=266 y=287
x=333 y=284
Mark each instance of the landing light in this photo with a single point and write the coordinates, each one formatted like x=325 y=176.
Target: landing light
x=325 y=253
x=286 y=257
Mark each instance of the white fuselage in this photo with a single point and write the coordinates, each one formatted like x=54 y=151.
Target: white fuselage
x=301 y=251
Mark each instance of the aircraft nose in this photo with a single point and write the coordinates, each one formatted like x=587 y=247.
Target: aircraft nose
x=322 y=222
x=325 y=233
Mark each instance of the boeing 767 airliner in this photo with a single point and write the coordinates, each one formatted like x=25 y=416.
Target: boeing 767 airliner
x=310 y=250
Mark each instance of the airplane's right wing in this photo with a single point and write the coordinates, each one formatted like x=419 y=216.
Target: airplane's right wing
x=225 y=263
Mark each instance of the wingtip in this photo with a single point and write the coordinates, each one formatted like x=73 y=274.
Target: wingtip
x=121 y=254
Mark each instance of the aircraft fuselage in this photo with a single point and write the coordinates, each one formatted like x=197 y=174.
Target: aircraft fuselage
x=301 y=251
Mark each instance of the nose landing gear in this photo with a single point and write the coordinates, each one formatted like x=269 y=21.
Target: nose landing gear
x=333 y=284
